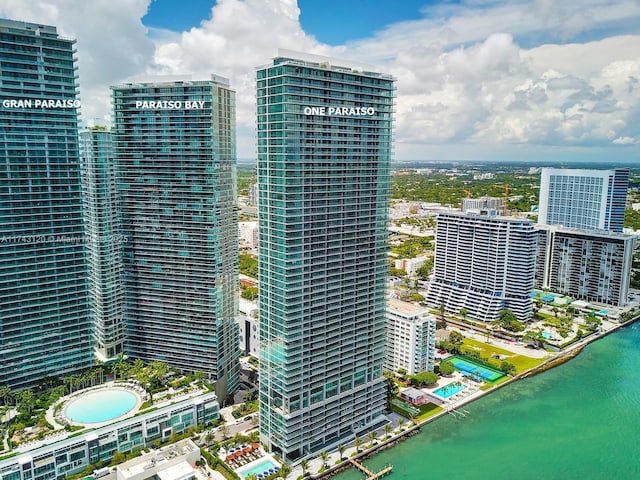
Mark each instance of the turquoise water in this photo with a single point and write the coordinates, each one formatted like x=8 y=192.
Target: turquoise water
x=473 y=368
x=449 y=391
x=100 y=406
x=578 y=421
x=259 y=468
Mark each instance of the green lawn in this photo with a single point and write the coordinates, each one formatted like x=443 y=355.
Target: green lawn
x=521 y=362
x=428 y=410
x=425 y=411
x=543 y=316
x=487 y=386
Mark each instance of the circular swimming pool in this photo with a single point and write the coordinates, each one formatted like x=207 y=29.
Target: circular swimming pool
x=101 y=406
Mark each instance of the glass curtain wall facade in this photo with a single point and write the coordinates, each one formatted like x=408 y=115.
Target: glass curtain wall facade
x=323 y=179
x=102 y=230
x=44 y=325
x=580 y=198
x=174 y=144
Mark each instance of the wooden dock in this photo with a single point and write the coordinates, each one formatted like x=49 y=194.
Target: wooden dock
x=371 y=475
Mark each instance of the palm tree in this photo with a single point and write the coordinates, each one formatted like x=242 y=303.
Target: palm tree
x=372 y=436
x=538 y=303
x=387 y=429
x=209 y=438
x=401 y=423
x=442 y=319
x=304 y=464
x=341 y=449
x=91 y=375
x=445 y=389
x=5 y=392
x=137 y=369
x=324 y=456
x=224 y=430
x=285 y=470
x=26 y=400
x=358 y=443
x=200 y=376
x=536 y=337
x=74 y=381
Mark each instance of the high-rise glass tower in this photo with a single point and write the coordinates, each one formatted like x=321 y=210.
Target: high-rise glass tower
x=174 y=144
x=44 y=325
x=581 y=198
x=324 y=148
x=102 y=229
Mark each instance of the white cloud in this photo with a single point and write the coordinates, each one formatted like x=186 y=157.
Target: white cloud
x=112 y=41
x=466 y=73
x=239 y=36
x=626 y=141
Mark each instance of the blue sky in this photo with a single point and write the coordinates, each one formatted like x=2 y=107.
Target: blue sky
x=331 y=21
x=476 y=79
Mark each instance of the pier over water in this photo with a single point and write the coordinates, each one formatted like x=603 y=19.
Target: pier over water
x=372 y=475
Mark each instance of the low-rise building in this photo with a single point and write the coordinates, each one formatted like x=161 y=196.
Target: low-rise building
x=173 y=462
x=248 y=234
x=410 y=265
x=483 y=204
x=249 y=325
x=414 y=396
x=411 y=337
x=73 y=454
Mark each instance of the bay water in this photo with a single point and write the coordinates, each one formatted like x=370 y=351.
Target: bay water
x=580 y=420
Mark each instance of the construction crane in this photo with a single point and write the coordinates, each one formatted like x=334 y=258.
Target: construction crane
x=506 y=197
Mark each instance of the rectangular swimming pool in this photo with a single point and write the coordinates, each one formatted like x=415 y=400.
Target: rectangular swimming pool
x=471 y=368
x=260 y=467
x=449 y=390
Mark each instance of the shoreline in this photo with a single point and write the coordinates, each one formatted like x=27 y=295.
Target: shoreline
x=566 y=355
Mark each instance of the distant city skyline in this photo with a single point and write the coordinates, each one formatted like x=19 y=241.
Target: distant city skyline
x=521 y=80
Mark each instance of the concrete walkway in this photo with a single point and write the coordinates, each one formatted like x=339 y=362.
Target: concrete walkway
x=315 y=463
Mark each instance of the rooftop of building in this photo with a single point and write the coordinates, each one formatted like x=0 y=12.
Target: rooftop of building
x=579 y=172
x=405 y=308
x=159 y=457
x=495 y=216
x=153 y=81
x=35 y=28
x=591 y=232
x=320 y=61
x=413 y=393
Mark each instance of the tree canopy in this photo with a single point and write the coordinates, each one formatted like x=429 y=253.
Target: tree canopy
x=248 y=265
x=508 y=320
x=446 y=368
x=423 y=378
